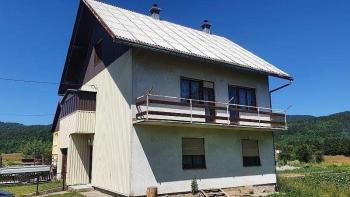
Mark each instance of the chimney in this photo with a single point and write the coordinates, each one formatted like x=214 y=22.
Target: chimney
x=206 y=26
x=155 y=11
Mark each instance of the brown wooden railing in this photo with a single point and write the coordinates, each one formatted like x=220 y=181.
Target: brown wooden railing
x=77 y=100
x=167 y=108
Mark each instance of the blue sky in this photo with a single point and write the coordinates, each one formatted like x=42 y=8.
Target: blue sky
x=309 y=39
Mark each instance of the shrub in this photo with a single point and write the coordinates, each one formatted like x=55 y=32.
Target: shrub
x=194 y=186
x=303 y=153
x=319 y=157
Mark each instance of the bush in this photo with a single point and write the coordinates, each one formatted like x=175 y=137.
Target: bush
x=319 y=157
x=304 y=153
x=286 y=154
x=194 y=186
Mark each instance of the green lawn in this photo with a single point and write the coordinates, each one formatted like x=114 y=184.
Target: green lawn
x=315 y=180
x=20 y=190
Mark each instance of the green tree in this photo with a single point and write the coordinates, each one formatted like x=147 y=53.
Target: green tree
x=319 y=157
x=36 y=148
x=303 y=153
x=286 y=153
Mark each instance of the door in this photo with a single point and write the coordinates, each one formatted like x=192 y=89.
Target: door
x=233 y=98
x=90 y=162
x=209 y=95
x=64 y=164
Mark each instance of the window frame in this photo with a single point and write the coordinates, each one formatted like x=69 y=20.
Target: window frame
x=200 y=91
x=237 y=93
x=203 y=166
x=258 y=160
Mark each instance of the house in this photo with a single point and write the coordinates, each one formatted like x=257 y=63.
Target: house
x=146 y=102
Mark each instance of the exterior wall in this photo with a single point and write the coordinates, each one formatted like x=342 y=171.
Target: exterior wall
x=156 y=150
x=59 y=165
x=55 y=146
x=157 y=159
x=76 y=122
x=162 y=73
x=78 y=159
x=111 y=152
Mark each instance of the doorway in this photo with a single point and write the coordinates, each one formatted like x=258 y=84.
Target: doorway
x=64 y=152
x=90 y=162
x=209 y=95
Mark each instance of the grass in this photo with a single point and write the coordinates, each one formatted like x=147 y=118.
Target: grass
x=337 y=159
x=74 y=194
x=325 y=180
x=22 y=189
x=12 y=159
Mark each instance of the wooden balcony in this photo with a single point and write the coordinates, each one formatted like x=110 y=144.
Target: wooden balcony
x=166 y=109
x=78 y=112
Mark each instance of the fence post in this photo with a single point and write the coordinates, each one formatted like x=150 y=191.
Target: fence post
x=147 y=107
x=228 y=113
x=285 y=120
x=37 y=184
x=259 y=116
x=191 y=109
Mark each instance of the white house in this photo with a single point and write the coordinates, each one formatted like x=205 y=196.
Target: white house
x=148 y=103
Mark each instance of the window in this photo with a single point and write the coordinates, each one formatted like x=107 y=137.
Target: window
x=98 y=52
x=193 y=156
x=250 y=153
x=242 y=95
x=191 y=89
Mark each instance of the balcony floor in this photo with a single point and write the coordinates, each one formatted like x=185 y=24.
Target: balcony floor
x=204 y=125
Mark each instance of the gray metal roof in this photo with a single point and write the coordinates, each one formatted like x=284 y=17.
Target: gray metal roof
x=24 y=169
x=144 y=30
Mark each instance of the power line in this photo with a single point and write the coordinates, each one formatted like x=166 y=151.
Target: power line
x=33 y=115
x=28 y=81
x=34 y=81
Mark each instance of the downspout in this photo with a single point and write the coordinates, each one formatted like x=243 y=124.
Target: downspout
x=273 y=134
x=283 y=86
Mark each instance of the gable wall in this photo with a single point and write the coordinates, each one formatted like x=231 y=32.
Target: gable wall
x=111 y=146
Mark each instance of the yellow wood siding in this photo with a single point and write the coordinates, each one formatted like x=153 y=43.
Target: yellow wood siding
x=78 y=159
x=111 y=160
x=77 y=122
x=55 y=146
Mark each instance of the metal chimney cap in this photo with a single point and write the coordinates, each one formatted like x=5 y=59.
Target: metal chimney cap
x=155 y=9
x=206 y=26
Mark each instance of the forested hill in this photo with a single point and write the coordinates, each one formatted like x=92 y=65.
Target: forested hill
x=325 y=133
x=330 y=134
x=16 y=137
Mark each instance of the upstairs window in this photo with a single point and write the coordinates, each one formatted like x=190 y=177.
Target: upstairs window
x=250 y=153
x=98 y=51
x=193 y=156
x=191 y=89
x=242 y=95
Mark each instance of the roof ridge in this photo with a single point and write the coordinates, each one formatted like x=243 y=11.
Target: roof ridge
x=160 y=20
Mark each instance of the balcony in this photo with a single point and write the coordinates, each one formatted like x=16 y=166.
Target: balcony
x=168 y=109
x=78 y=112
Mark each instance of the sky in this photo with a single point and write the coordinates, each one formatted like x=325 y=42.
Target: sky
x=308 y=39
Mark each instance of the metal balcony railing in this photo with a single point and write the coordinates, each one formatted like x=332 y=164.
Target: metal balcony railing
x=168 y=108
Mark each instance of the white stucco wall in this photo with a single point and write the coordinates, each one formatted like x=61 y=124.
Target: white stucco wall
x=157 y=159
x=162 y=74
x=157 y=151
